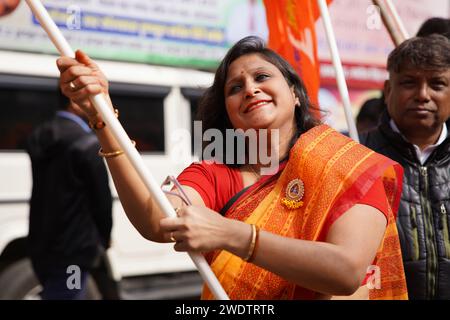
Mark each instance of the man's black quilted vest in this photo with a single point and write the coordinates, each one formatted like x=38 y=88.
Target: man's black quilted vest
x=424 y=215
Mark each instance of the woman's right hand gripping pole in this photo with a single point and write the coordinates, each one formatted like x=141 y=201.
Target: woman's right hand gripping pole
x=81 y=78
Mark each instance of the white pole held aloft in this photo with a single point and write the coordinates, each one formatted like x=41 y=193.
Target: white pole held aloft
x=398 y=21
x=340 y=78
x=392 y=21
x=121 y=136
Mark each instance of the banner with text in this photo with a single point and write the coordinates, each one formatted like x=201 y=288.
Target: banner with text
x=191 y=33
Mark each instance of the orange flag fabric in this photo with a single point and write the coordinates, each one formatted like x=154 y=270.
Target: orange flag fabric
x=292 y=35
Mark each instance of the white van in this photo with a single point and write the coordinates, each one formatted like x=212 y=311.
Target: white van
x=154 y=102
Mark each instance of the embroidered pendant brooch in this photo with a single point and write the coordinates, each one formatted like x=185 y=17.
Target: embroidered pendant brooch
x=294 y=193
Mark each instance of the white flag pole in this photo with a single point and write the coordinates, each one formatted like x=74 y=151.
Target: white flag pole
x=121 y=136
x=398 y=21
x=340 y=78
x=392 y=21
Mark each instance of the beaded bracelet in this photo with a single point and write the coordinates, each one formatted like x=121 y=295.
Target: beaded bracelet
x=101 y=124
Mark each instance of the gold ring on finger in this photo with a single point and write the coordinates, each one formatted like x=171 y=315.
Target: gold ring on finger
x=72 y=86
x=172 y=238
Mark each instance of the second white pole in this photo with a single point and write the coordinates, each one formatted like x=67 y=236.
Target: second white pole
x=340 y=78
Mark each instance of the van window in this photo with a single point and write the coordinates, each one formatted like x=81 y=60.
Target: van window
x=26 y=102
x=141 y=111
x=193 y=95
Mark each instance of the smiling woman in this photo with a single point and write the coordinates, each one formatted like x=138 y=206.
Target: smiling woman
x=257 y=96
x=310 y=230
x=246 y=67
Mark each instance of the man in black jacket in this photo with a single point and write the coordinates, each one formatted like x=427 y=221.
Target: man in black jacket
x=414 y=132
x=70 y=209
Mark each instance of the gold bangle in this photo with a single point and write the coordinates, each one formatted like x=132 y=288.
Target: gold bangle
x=101 y=124
x=255 y=248
x=112 y=154
x=252 y=243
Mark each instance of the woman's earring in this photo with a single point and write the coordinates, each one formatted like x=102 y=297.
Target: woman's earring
x=297 y=102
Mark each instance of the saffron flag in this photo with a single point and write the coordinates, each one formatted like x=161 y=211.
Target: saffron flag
x=292 y=35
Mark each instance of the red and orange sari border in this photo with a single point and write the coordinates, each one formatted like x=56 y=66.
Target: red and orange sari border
x=336 y=172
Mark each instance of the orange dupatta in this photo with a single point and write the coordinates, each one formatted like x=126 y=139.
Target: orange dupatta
x=336 y=172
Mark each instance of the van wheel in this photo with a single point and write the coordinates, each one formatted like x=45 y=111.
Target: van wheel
x=18 y=282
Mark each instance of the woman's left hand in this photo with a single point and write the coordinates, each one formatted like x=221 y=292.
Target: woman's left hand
x=197 y=229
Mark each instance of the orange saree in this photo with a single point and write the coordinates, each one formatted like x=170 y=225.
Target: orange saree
x=336 y=173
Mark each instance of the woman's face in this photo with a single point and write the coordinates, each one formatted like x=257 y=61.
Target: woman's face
x=257 y=96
